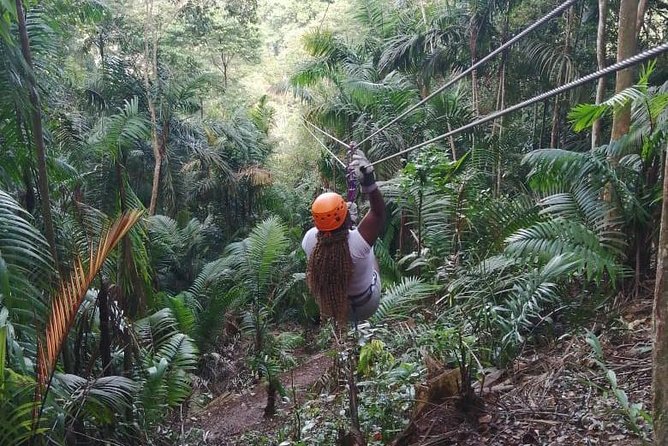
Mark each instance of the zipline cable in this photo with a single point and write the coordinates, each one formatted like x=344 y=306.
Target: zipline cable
x=347 y=146
x=325 y=147
x=482 y=61
x=576 y=83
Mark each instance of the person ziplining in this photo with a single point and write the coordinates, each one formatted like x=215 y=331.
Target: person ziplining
x=338 y=255
x=342 y=271
x=321 y=278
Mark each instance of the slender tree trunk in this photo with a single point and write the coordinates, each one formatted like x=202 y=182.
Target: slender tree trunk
x=270 y=408
x=473 y=48
x=38 y=135
x=642 y=7
x=78 y=343
x=151 y=76
x=542 y=124
x=128 y=269
x=554 y=132
x=561 y=78
x=419 y=223
x=600 y=57
x=660 y=351
x=501 y=90
x=224 y=75
x=451 y=140
x=534 y=126
x=501 y=100
x=22 y=134
x=105 y=335
x=626 y=47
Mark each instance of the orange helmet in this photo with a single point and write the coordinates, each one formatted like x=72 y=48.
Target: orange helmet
x=329 y=211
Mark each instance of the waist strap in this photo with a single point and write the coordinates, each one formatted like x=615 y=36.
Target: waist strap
x=362 y=298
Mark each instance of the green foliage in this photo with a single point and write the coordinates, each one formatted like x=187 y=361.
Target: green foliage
x=25 y=263
x=168 y=357
x=583 y=115
x=400 y=299
x=371 y=353
x=636 y=418
x=98 y=399
x=494 y=234
x=551 y=239
x=16 y=424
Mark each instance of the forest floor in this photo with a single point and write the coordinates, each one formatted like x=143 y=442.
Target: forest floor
x=554 y=395
x=228 y=416
x=558 y=395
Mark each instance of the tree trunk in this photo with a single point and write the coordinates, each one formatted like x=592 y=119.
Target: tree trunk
x=660 y=351
x=500 y=105
x=105 y=335
x=554 y=132
x=542 y=124
x=501 y=90
x=626 y=47
x=38 y=135
x=534 y=126
x=150 y=77
x=128 y=269
x=451 y=141
x=270 y=408
x=600 y=57
x=473 y=48
x=642 y=7
x=562 y=77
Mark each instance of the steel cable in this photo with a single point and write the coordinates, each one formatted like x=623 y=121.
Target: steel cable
x=576 y=83
x=482 y=61
x=347 y=146
x=324 y=146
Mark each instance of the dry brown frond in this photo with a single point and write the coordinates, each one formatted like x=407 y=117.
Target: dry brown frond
x=71 y=292
x=257 y=176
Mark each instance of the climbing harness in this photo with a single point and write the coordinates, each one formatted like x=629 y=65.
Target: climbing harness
x=363 y=298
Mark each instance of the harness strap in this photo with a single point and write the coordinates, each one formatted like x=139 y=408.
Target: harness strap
x=364 y=297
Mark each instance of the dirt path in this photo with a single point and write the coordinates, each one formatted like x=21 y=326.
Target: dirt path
x=229 y=415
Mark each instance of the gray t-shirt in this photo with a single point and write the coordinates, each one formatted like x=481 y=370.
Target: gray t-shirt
x=362 y=256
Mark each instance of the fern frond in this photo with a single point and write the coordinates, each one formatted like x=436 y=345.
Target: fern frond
x=549 y=239
x=398 y=300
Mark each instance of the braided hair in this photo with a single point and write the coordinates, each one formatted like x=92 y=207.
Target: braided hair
x=328 y=274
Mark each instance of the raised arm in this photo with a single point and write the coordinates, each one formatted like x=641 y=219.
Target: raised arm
x=372 y=223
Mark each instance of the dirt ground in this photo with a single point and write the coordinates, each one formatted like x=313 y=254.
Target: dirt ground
x=228 y=416
x=555 y=395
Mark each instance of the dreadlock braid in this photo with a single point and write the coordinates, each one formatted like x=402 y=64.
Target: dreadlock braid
x=328 y=274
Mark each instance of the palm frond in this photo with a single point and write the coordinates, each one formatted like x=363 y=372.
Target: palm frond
x=398 y=300
x=549 y=239
x=101 y=398
x=583 y=116
x=71 y=292
x=25 y=263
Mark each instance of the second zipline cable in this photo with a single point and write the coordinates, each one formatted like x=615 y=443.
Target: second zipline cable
x=482 y=61
x=652 y=52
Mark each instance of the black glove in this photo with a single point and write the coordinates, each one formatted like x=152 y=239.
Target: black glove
x=364 y=171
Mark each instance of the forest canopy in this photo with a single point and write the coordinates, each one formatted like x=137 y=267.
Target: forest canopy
x=158 y=162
